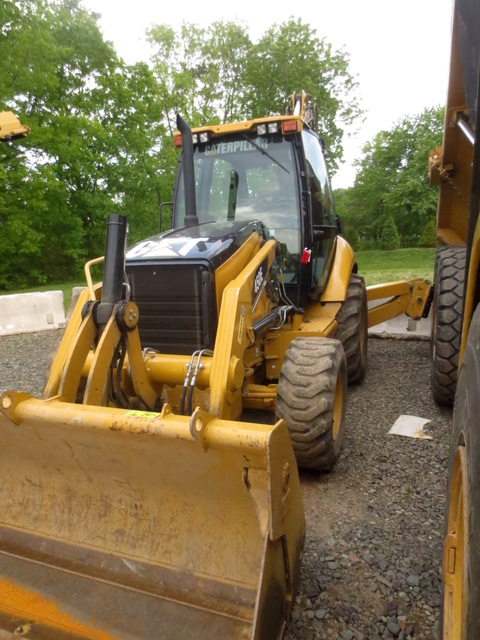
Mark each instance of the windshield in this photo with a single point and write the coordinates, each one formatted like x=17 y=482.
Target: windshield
x=249 y=179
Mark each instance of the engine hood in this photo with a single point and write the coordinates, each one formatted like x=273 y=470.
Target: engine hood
x=211 y=241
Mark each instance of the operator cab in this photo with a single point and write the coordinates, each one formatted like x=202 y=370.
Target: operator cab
x=242 y=178
x=278 y=179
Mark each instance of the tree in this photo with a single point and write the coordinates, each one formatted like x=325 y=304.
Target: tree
x=102 y=130
x=201 y=71
x=139 y=169
x=291 y=57
x=429 y=234
x=95 y=148
x=345 y=208
x=217 y=75
x=389 y=238
x=52 y=58
x=392 y=179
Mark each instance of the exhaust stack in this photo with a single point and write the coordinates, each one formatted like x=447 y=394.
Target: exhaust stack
x=114 y=267
x=191 y=219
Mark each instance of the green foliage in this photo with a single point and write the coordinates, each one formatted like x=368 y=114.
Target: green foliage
x=102 y=130
x=429 y=234
x=217 y=74
x=389 y=238
x=344 y=207
x=200 y=71
x=351 y=235
x=290 y=57
x=392 y=180
x=97 y=132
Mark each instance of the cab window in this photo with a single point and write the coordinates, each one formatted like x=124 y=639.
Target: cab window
x=321 y=204
x=250 y=179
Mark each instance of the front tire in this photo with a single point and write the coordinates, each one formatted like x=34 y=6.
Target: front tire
x=311 y=399
x=461 y=559
x=352 y=330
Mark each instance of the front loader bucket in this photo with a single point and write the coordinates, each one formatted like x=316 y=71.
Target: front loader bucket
x=126 y=524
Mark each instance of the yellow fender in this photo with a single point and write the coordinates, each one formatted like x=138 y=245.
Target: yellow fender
x=342 y=267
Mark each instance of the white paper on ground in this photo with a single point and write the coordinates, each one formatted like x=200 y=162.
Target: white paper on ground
x=410 y=427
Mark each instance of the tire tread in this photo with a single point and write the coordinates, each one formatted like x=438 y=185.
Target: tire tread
x=352 y=319
x=305 y=399
x=446 y=336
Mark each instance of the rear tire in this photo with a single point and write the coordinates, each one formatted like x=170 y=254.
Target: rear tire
x=447 y=322
x=311 y=399
x=461 y=563
x=352 y=330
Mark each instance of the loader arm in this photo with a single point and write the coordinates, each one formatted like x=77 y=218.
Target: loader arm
x=239 y=302
x=412 y=297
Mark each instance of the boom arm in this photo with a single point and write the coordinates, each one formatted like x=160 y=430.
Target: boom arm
x=413 y=298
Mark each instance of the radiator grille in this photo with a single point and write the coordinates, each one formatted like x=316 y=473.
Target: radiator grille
x=176 y=304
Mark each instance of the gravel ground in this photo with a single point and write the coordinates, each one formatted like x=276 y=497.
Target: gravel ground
x=25 y=360
x=374 y=524
x=372 y=564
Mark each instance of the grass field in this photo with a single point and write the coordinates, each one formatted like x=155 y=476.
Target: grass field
x=402 y=264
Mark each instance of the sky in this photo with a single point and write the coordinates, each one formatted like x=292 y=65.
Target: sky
x=399 y=51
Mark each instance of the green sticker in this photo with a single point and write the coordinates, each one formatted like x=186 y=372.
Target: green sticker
x=143 y=414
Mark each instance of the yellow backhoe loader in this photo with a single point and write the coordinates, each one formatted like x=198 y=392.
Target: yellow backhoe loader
x=147 y=494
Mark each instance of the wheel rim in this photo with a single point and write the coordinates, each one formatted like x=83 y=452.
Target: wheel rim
x=338 y=406
x=455 y=553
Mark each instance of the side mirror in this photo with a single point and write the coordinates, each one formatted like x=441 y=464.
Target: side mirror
x=324 y=232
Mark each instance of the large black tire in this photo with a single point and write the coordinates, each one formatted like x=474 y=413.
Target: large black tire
x=447 y=321
x=352 y=330
x=311 y=399
x=461 y=568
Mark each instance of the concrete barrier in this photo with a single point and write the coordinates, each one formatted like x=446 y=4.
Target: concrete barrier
x=76 y=291
x=29 y=312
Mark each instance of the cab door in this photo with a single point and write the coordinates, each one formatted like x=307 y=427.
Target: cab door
x=322 y=211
